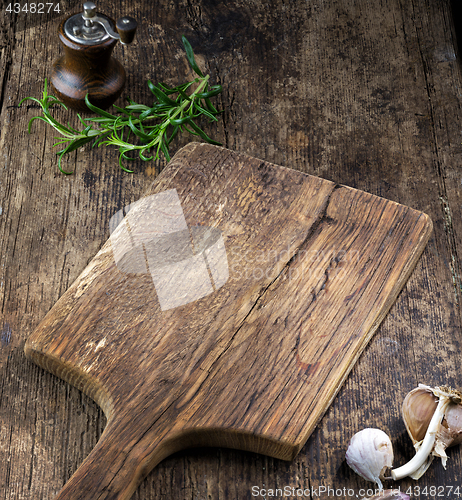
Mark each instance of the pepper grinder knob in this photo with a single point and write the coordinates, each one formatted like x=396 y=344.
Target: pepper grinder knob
x=89 y=10
x=126 y=27
x=87 y=67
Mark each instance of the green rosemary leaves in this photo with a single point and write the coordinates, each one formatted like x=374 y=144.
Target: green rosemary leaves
x=137 y=129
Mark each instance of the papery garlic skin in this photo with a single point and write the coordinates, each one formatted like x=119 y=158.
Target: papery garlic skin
x=369 y=454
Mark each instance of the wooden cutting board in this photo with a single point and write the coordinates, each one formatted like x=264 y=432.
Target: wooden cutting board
x=226 y=309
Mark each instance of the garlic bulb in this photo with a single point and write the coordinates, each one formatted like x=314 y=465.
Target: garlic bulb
x=433 y=419
x=390 y=495
x=369 y=454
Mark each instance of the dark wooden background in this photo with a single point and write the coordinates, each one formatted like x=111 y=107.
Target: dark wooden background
x=366 y=93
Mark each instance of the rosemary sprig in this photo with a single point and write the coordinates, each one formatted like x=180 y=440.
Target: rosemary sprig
x=144 y=130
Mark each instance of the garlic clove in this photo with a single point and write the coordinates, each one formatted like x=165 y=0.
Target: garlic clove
x=451 y=429
x=389 y=495
x=369 y=454
x=418 y=408
x=426 y=411
x=419 y=405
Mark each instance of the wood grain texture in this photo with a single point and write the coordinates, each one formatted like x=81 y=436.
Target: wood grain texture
x=365 y=93
x=313 y=268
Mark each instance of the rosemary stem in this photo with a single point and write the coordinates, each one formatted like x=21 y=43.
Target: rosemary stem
x=178 y=111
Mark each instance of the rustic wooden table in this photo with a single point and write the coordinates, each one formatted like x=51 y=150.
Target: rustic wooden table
x=364 y=93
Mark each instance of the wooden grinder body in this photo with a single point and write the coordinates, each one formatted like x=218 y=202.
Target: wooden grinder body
x=87 y=69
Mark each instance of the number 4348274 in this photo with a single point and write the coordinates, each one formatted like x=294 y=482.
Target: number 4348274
x=33 y=8
x=435 y=491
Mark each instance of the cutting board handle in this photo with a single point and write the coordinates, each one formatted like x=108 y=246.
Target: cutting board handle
x=115 y=467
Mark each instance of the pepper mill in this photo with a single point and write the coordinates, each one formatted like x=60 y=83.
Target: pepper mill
x=87 y=66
